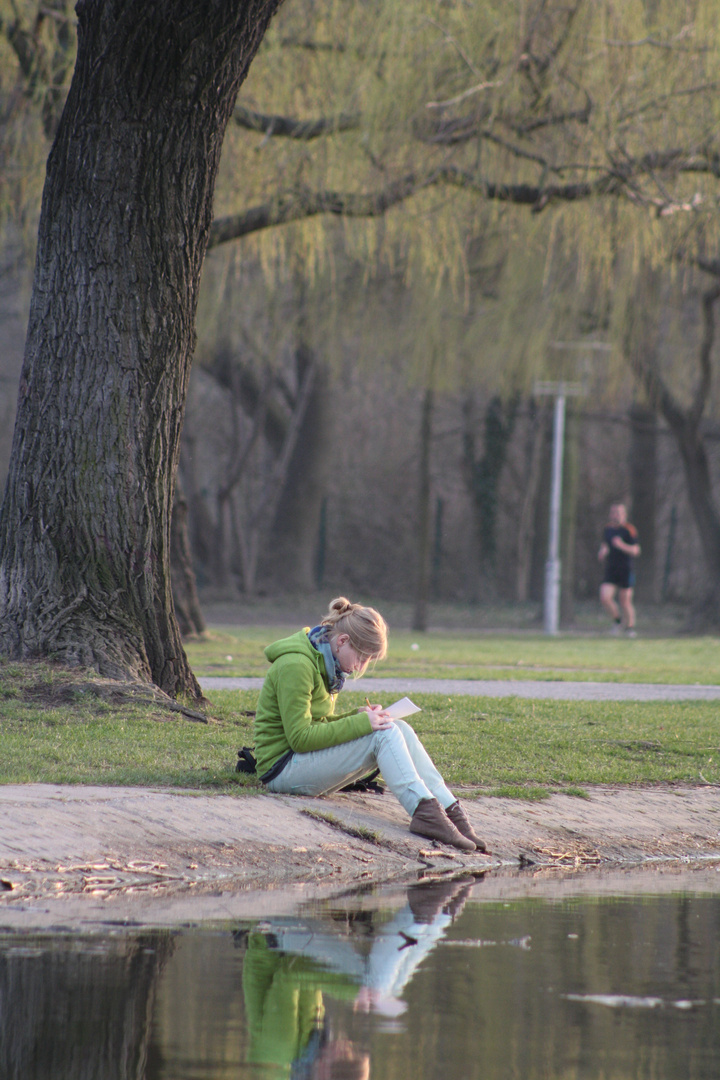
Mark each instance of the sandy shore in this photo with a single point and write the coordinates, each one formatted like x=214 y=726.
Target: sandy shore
x=89 y=856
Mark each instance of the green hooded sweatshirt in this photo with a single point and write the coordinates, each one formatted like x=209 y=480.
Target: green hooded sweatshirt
x=284 y=1002
x=295 y=709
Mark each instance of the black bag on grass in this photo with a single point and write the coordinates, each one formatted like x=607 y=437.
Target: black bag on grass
x=246 y=761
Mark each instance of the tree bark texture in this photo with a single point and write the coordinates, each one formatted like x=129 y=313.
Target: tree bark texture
x=126 y=212
x=422 y=589
x=569 y=515
x=482 y=475
x=643 y=495
x=526 y=523
x=686 y=427
x=292 y=548
x=184 y=586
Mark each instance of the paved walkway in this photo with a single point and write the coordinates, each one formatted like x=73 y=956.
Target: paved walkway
x=525 y=688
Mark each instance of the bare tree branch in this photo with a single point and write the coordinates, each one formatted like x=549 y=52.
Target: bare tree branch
x=710 y=266
x=555 y=119
x=662 y=100
x=655 y=43
x=543 y=64
x=242 y=449
x=464 y=95
x=302 y=203
x=617 y=179
x=313 y=46
x=657 y=390
x=291 y=128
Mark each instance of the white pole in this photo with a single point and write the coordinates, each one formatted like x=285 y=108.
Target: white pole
x=552 y=566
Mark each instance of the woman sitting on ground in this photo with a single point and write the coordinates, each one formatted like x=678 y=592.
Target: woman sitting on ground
x=304 y=748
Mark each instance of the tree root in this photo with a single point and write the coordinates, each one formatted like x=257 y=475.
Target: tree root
x=67 y=690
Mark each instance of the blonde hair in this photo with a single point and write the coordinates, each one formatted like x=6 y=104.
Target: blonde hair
x=365 y=627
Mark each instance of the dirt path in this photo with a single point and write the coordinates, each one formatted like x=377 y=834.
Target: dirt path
x=93 y=854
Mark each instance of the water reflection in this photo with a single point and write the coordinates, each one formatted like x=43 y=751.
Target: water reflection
x=433 y=981
x=75 y=1008
x=292 y=965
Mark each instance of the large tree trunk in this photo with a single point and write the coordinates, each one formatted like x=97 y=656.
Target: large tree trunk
x=127 y=206
x=701 y=499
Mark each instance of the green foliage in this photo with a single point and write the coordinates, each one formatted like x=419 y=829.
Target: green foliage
x=599 y=117
x=511 y=93
x=37 y=55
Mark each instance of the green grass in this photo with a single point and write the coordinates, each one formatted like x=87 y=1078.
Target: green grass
x=506 y=743
x=83 y=739
x=358 y=831
x=455 y=654
x=54 y=729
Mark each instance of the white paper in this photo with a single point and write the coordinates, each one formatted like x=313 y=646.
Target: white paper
x=403 y=707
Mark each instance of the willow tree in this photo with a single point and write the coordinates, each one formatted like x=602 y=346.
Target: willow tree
x=424 y=127
x=126 y=213
x=539 y=105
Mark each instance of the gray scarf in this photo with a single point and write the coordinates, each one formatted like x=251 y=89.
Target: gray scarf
x=318 y=638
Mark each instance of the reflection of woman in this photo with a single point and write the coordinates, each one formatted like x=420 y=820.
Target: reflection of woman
x=285 y=1014
x=290 y=964
x=304 y=748
x=397 y=948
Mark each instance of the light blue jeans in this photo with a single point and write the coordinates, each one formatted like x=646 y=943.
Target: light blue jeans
x=402 y=759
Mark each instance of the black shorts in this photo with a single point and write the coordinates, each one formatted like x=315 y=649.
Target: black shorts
x=624 y=579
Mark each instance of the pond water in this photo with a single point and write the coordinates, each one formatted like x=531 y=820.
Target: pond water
x=427 y=982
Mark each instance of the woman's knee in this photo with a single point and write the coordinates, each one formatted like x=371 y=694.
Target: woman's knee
x=390 y=735
x=406 y=731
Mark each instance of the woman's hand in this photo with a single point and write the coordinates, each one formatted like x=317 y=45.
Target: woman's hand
x=379 y=720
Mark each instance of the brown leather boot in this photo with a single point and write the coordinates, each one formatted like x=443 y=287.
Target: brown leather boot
x=429 y=820
x=461 y=821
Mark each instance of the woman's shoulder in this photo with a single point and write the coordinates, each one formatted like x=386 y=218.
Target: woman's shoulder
x=288 y=659
x=294 y=645
x=300 y=663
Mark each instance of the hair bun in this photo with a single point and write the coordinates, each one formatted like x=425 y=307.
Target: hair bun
x=341 y=605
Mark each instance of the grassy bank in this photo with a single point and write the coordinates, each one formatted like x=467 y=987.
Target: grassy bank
x=58 y=727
